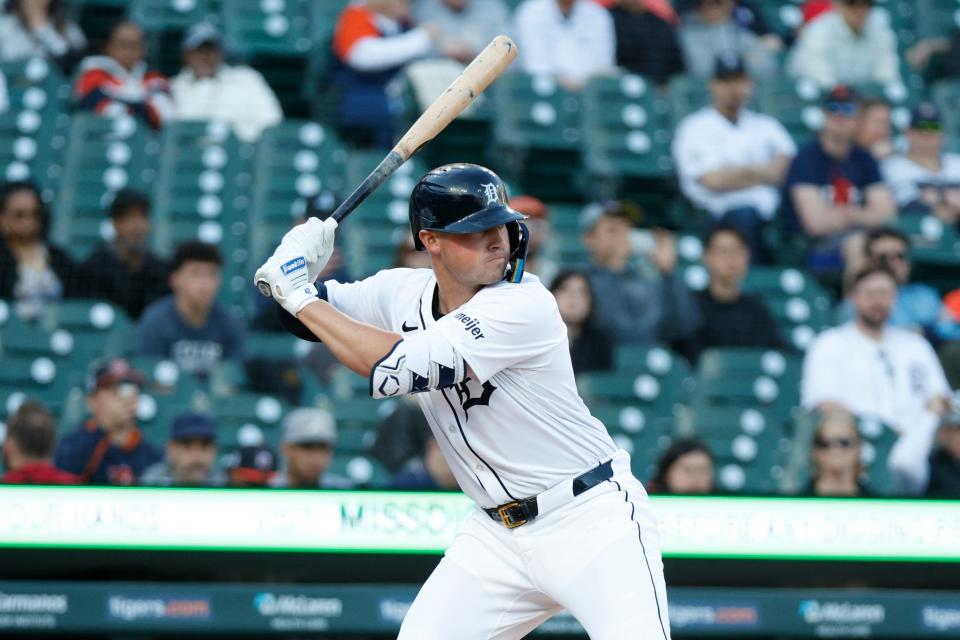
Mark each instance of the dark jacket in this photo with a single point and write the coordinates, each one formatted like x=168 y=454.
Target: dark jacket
x=108 y=278
x=944 y=475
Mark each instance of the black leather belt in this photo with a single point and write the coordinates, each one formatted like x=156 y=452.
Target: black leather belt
x=513 y=514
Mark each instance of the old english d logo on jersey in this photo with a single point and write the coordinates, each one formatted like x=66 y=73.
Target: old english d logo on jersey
x=466 y=398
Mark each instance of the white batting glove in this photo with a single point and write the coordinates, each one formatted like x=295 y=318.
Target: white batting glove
x=314 y=241
x=285 y=273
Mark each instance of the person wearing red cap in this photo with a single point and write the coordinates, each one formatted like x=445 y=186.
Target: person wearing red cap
x=28 y=448
x=109 y=447
x=538 y=223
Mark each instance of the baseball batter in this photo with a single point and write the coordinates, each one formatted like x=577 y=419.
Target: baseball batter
x=561 y=522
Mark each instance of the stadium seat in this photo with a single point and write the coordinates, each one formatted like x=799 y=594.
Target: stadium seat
x=93 y=322
x=362 y=470
x=642 y=389
x=934 y=250
x=748 y=378
x=263 y=411
x=166 y=21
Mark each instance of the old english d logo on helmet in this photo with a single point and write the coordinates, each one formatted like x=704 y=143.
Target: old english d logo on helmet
x=467 y=198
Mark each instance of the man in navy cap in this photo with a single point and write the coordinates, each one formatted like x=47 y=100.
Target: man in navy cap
x=925 y=178
x=834 y=191
x=250 y=466
x=109 y=448
x=191 y=452
x=209 y=89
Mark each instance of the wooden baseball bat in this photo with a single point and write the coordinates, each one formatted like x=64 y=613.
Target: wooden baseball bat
x=476 y=77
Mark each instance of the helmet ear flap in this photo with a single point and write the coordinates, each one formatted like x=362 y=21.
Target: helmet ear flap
x=519 y=237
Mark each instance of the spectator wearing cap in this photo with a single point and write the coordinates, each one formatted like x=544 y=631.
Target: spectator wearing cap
x=123 y=270
x=834 y=191
x=28 y=448
x=191 y=452
x=853 y=44
x=190 y=327
x=251 y=466
x=943 y=472
x=208 y=89
x=873 y=370
x=918 y=307
x=638 y=295
x=372 y=41
x=119 y=83
x=308 y=441
x=685 y=467
x=33 y=271
x=538 y=224
x=32 y=29
x=731 y=160
x=109 y=448
x=730 y=317
x=926 y=179
x=647 y=43
x=465 y=26
x=569 y=40
x=711 y=30
x=874 y=129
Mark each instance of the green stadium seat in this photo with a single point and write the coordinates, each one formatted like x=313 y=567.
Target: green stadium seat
x=934 y=250
x=93 y=322
x=642 y=389
x=362 y=470
x=263 y=411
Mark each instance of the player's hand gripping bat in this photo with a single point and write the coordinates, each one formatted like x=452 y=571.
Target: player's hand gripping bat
x=478 y=75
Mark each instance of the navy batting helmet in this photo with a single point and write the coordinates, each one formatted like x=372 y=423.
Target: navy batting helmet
x=467 y=198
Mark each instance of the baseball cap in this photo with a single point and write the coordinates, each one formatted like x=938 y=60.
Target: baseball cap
x=192 y=425
x=530 y=206
x=254 y=464
x=729 y=65
x=592 y=213
x=309 y=425
x=200 y=34
x=114 y=372
x=842 y=100
x=926 y=117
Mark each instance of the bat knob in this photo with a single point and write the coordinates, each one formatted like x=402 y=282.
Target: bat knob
x=264 y=287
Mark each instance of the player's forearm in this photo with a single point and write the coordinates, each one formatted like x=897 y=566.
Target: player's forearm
x=357 y=345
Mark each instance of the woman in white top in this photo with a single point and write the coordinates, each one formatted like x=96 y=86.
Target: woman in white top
x=33 y=28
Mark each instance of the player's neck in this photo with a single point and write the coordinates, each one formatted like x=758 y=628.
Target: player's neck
x=452 y=294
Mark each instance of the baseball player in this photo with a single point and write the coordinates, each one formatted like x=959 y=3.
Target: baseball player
x=561 y=522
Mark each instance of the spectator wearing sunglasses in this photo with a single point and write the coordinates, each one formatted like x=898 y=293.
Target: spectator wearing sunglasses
x=834 y=191
x=925 y=179
x=853 y=44
x=836 y=468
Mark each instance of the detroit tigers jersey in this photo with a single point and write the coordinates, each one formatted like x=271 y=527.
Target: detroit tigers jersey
x=517 y=426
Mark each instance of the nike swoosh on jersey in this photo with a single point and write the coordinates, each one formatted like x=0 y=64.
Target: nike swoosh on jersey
x=407 y=329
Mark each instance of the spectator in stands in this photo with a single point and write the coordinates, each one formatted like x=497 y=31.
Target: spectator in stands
x=591 y=347
x=465 y=26
x=835 y=464
x=309 y=439
x=4 y=98
x=834 y=190
x=647 y=44
x=585 y=30
x=918 y=307
x=685 y=467
x=109 y=448
x=944 y=471
x=372 y=41
x=32 y=270
x=871 y=369
x=123 y=270
x=731 y=160
x=28 y=448
x=406 y=255
x=118 y=82
x=190 y=326
x=730 y=317
x=429 y=472
x=191 y=452
x=402 y=435
x=538 y=223
x=874 y=129
x=926 y=179
x=853 y=44
x=209 y=89
x=711 y=31
x=251 y=466
x=638 y=298
x=40 y=28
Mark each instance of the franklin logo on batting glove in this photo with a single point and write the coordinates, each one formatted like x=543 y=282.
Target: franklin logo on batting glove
x=293 y=265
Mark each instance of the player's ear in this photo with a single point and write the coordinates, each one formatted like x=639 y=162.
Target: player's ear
x=430 y=240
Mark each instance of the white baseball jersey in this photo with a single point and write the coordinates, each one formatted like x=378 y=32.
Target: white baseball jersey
x=516 y=427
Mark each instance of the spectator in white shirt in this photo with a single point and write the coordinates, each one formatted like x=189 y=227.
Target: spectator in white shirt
x=853 y=44
x=731 y=160
x=874 y=370
x=711 y=30
x=208 y=89
x=571 y=40
x=926 y=179
x=465 y=26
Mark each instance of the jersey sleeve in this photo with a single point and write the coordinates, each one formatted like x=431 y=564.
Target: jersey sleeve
x=371 y=300
x=504 y=326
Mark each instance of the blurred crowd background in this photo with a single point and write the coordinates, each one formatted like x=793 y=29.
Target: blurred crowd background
x=747 y=211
